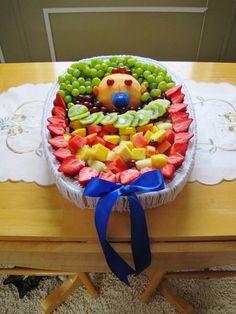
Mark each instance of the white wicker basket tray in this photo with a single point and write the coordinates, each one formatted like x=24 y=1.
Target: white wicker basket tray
x=74 y=192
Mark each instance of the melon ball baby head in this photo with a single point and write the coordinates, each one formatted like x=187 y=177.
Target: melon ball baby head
x=119 y=91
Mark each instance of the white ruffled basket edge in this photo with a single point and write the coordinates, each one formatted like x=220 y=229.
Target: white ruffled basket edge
x=74 y=192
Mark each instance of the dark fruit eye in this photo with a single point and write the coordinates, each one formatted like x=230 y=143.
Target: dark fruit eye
x=110 y=82
x=128 y=82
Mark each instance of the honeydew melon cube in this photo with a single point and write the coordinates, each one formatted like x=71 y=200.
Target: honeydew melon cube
x=100 y=152
x=111 y=155
x=80 y=131
x=113 y=139
x=124 y=152
x=127 y=131
x=158 y=136
x=140 y=164
x=138 y=153
x=159 y=161
x=98 y=165
x=84 y=153
x=148 y=135
x=164 y=125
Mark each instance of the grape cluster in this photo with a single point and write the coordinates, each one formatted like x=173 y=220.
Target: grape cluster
x=81 y=77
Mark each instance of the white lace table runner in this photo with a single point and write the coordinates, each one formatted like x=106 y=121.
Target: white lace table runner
x=21 y=156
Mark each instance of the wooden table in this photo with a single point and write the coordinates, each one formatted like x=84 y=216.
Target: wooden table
x=41 y=230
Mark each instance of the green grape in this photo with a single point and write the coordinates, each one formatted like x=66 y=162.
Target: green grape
x=76 y=73
x=69 y=87
x=81 y=81
x=131 y=62
x=67 y=82
x=93 y=72
x=74 y=65
x=94 y=62
x=87 y=71
x=82 y=89
x=70 y=104
x=170 y=85
x=150 y=78
x=159 y=78
x=68 y=99
x=144 y=66
x=104 y=67
x=151 y=68
x=163 y=71
x=68 y=77
x=98 y=67
x=109 y=69
x=88 y=82
x=113 y=59
x=153 y=85
x=73 y=79
x=139 y=71
x=168 y=78
x=135 y=75
x=107 y=74
x=145 y=83
x=140 y=80
x=62 y=92
x=145 y=96
x=146 y=73
x=100 y=73
x=63 y=86
x=138 y=65
x=162 y=86
x=75 y=84
x=96 y=81
x=61 y=78
x=70 y=70
x=81 y=65
x=66 y=92
x=75 y=92
x=89 y=89
x=155 y=92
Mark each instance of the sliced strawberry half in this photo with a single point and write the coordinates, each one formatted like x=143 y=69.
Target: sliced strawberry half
x=56 y=129
x=178 y=107
x=179 y=116
x=176 y=159
x=71 y=165
x=86 y=174
x=58 y=142
x=170 y=136
x=128 y=176
x=181 y=126
x=170 y=92
x=183 y=137
x=57 y=120
x=168 y=171
x=62 y=153
x=108 y=176
x=59 y=101
x=177 y=98
x=58 y=111
x=180 y=148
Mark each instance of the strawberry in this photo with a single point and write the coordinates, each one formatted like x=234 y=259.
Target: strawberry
x=170 y=92
x=77 y=142
x=177 y=98
x=57 y=120
x=128 y=176
x=168 y=171
x=183 y=137
x=108 y=176
x=180 y=148
x=113 y=167
x=181 y=126
x=146 y=169
x=62 y=153
x=56 y=129
x=58 y=142
x=58 y=111
x=178 y=107
x=176 y=159
x=176 y=116
x=59 y=101
x=86 y=174
x=71 y=165
x=170 y=136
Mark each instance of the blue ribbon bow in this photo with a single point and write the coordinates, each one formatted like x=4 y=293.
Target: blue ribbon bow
x=109 y=192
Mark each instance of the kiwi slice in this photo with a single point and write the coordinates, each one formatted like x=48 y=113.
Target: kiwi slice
x=157 y=109
x=80 y=116
x=144 y=117
x=164 y=102
x=123 y=121
x=90 y=119
x=100 y=117
x=109 y=118
x=135 y=120
x=77 y=110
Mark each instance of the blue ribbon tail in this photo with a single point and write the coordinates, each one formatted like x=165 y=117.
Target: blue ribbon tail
x=102 y=212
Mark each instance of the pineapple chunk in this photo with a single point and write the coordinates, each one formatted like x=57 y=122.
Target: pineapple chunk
x=76 y=125
x=124 y=152
x=84 y=153
x=159 y=161
x=124 y=138
x=154 y=129
x=138 y=153
x=113 y=139
x=127 y=131
x=100 y=152
x=158 y=136
x=67 y=137
x=80 y=131
x=148 y=135
x=129 y=144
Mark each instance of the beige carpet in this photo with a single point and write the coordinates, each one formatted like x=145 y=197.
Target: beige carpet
x=207 y=296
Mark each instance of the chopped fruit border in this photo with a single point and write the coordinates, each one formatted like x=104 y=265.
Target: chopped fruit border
x=121 y=154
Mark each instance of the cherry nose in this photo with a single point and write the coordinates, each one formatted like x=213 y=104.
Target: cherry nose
x=121 y=100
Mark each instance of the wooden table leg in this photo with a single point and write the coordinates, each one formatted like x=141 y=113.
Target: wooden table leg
x=182 y=306
x=153 y=284
x=60 y=294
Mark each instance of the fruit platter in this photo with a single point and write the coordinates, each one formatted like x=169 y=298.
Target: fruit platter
x=116 y=118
